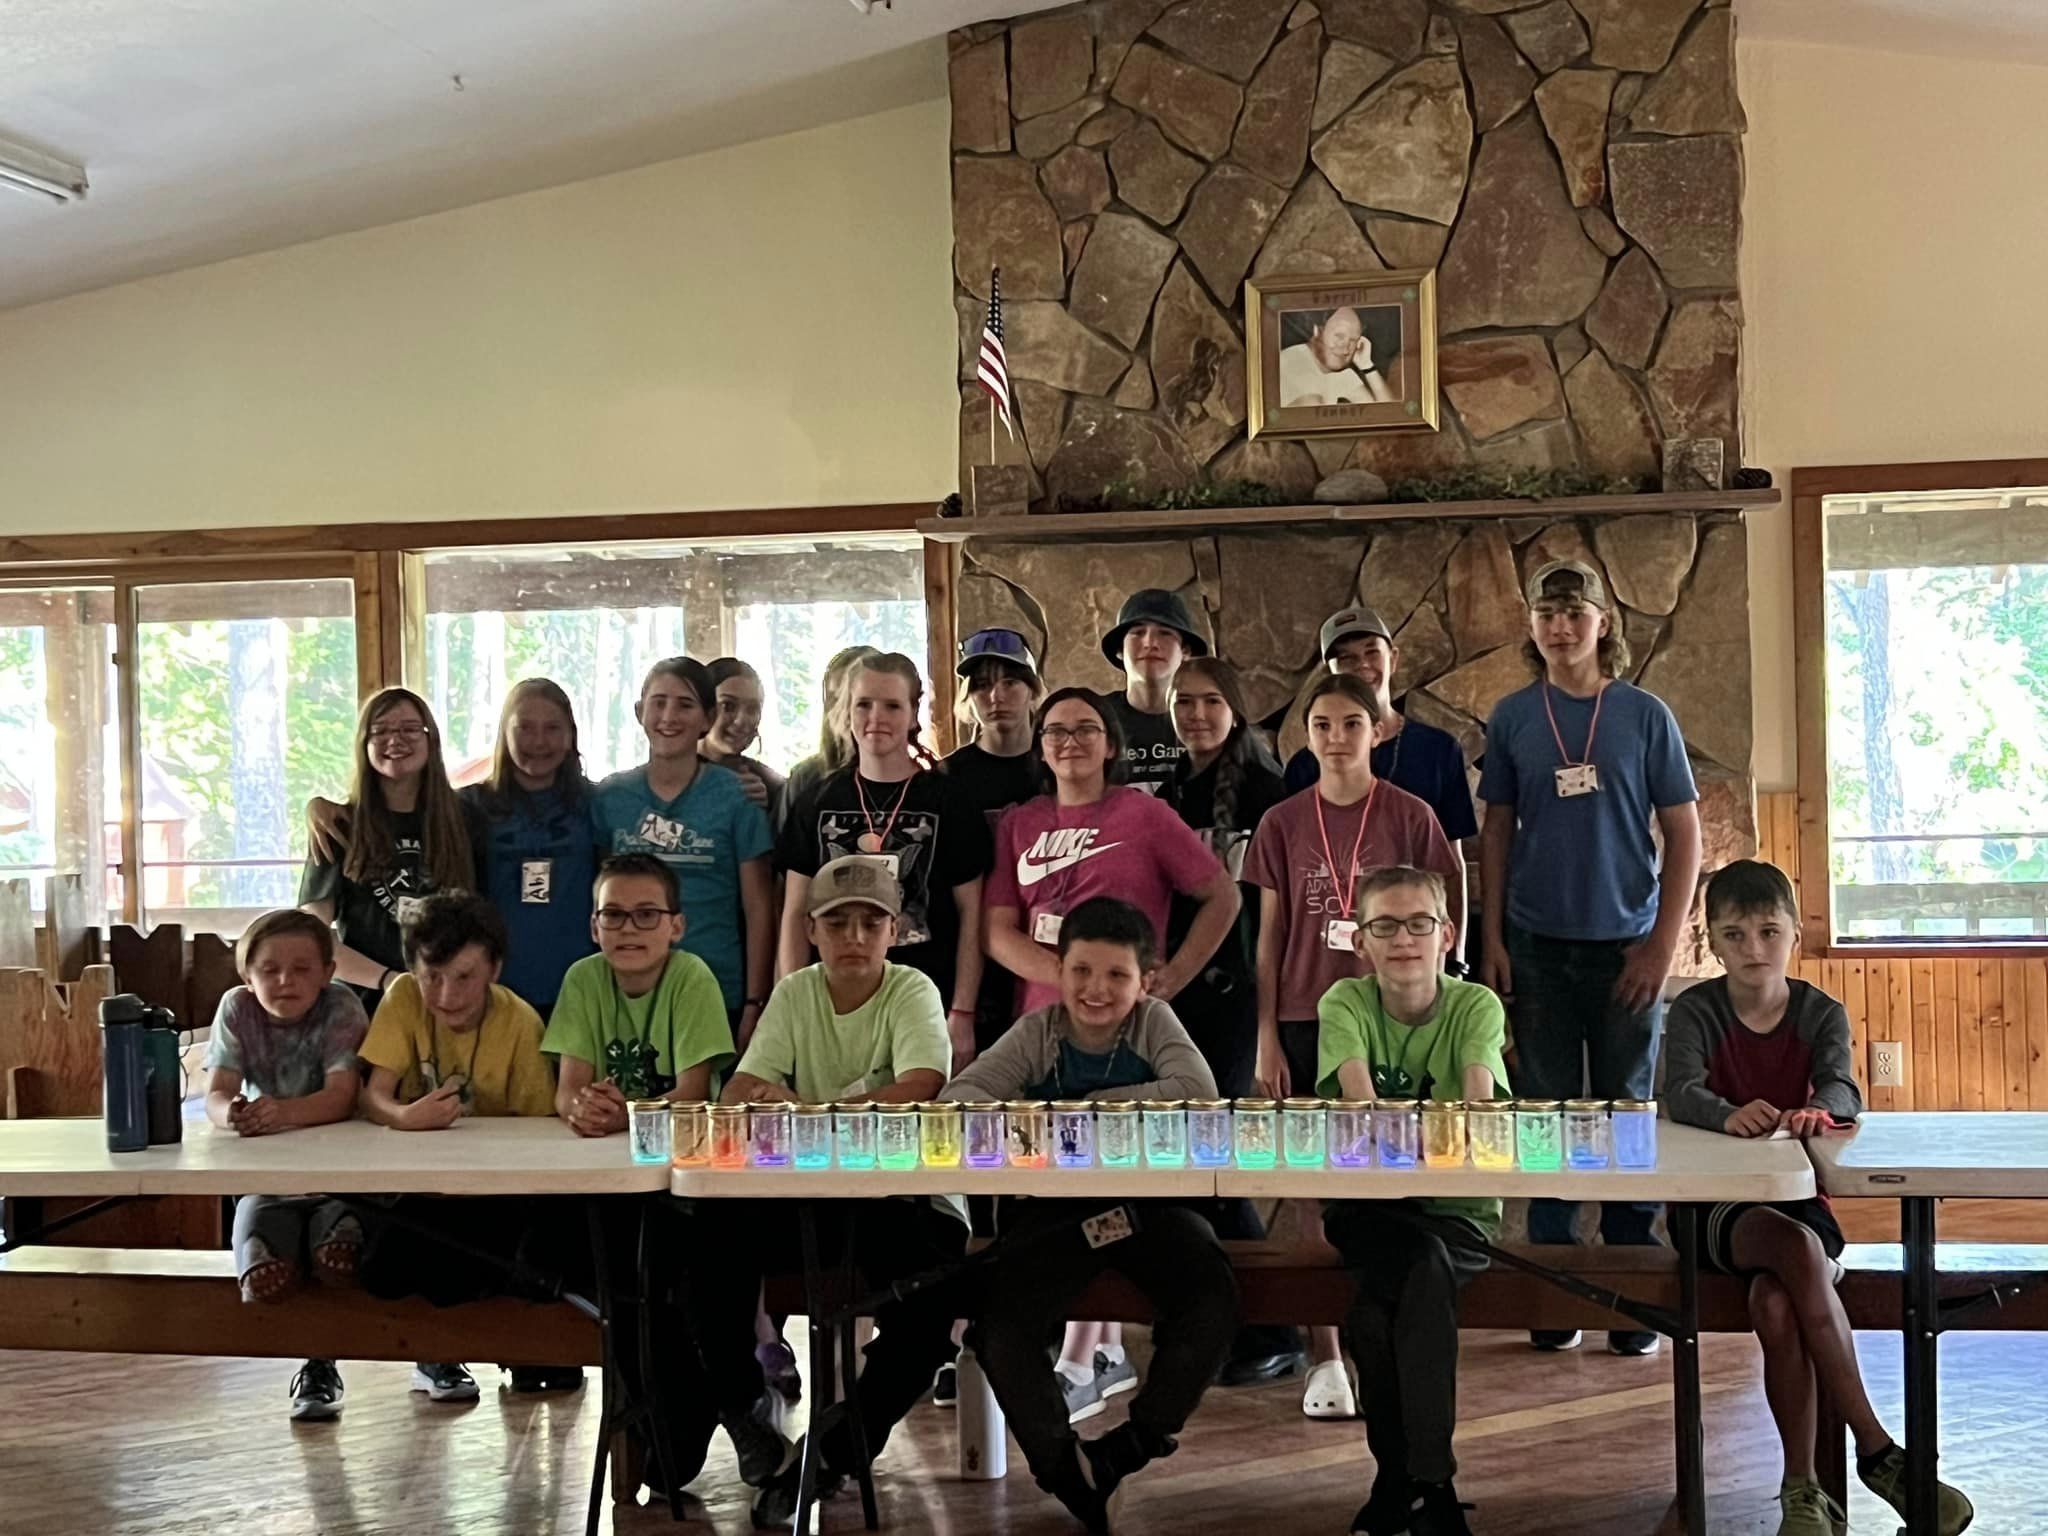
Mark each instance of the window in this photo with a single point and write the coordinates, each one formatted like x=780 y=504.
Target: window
x=247 y=698
x=595 y=619
x=60 y=742
x=1934 y=612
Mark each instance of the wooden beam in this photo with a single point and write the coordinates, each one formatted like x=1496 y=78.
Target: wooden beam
x=1936 y=536
x=369 y=625
x=198 y=602
x=1069 y=525
x=942 y=622
x=623 y=528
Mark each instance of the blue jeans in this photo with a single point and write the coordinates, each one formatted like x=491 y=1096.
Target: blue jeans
x=1572 y=1040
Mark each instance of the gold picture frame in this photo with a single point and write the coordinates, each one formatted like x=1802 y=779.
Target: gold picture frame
x=1294 y=332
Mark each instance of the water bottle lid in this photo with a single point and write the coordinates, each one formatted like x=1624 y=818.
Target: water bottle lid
x=123 y=1008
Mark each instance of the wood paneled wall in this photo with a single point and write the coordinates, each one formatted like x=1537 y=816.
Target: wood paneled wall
x=1974 y=1031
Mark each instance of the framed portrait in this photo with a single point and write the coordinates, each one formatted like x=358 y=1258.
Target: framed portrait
x=1340 y=353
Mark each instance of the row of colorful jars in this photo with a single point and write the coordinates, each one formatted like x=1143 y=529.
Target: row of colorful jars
x=1535 y=1134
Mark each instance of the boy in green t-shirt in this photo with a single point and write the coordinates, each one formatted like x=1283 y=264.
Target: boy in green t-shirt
x=851 y=1027
x=1409 y=1031
x=640 y=1019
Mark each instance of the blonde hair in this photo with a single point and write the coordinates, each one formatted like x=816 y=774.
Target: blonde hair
x=372 y=838
x=1399 y=877
x=835 y=734
x=503 y=784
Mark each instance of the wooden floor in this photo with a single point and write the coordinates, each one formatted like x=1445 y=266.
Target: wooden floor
x=1576 y=1443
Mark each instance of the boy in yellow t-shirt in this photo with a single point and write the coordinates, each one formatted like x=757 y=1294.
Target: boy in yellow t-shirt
x=448 y=1041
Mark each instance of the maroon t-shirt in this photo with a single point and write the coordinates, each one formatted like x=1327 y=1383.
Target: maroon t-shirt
x=1287 y=858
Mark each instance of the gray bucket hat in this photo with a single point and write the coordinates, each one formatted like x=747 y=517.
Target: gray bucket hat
x=1152 y=605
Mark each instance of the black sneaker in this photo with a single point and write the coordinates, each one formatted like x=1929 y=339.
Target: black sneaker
x=759 y=1445
x=946 y=1387
x=1385 y=1512
x=1435 y=1511
x=1635 y=1342
x=444 y=1383
x=775 y=1505
x=316 y=1392
x=1551 y=1340
x=547 y=1378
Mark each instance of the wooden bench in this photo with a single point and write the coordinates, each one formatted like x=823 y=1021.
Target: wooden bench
x=170 y=1302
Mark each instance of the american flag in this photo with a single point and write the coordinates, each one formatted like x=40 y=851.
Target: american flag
x=994 y=369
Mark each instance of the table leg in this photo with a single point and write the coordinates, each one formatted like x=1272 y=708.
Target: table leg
x=1686 y=1417
x=1923 y=1330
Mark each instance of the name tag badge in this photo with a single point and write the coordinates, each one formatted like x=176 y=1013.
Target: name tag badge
x=536 y=881
x=1580 y=779
x=1338 y=934
x=1110 y=1227
x=1045 y=927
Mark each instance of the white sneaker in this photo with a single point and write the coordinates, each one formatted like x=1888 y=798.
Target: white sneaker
x=1328 y=1393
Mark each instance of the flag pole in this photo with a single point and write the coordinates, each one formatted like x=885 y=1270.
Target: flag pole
x=994 y=274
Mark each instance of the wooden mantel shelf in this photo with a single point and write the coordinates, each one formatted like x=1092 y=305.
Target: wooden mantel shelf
x=1067 y=525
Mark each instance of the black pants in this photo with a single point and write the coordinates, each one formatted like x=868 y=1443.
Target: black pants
x=1172 y=1257
x=1403 y=1328
x=736 y=1241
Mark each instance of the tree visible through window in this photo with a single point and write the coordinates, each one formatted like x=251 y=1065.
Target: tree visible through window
x=1937 y=669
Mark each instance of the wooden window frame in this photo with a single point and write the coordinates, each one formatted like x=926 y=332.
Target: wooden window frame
x=1809 y=491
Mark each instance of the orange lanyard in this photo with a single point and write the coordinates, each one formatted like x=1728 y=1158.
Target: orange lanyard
x=1592 y=730
x=881 y=838
x=1349 y=897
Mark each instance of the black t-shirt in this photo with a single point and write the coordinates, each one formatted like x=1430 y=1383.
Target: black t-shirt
x=939 y=837
x=1152 y=753
x=994 y=784
x=368 y=913
x=1194 y=797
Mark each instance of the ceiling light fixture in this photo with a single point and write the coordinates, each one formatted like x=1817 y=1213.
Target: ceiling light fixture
x=28 y=170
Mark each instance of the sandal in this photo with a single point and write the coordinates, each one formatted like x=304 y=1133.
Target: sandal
x=1328 y=1393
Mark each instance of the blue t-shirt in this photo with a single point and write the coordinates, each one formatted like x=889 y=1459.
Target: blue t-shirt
x=1423 y=760
x=541 y=865
x=705 y=834
x=1583 y=866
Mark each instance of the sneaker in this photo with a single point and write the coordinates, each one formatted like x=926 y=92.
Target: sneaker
x=1551 y=1340
x=1328 y=1394
x=759 y=1445
x=1076 y=1486
x=316 y=1392
x=1084 y=1398
x=1385 y=1511
x=1635 y=1343
x=444 y=1383
x=546 y=1378
x=1435 y=1511
x=946 y=1387
x=774 y=1507
x=1112 y=1379
x=1887 y=1479
x=1809 y=1511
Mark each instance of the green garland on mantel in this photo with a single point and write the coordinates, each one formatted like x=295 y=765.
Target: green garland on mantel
x=1468 y=484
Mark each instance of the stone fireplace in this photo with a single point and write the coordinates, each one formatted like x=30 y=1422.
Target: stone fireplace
x=1572 y=171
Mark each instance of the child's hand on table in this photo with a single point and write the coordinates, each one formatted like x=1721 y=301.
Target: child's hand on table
x=1808 y=1122
x=253 y=1117
x=438 y=1110
x=599 y=1110
x=1759 y=1117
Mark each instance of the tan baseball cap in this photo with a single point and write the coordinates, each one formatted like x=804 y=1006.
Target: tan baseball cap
x=1561 y=580
x=855 y=878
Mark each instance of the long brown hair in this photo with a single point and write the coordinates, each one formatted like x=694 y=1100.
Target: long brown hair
x=1612 y=651
x=1241 y=748
x=890 y=664
x=373 y=841
x=503 y=784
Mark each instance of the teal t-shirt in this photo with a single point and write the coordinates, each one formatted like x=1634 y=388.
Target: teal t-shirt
x=823 y=1055
x=643 y=1043
x=705 y=834
x=1416 y=1061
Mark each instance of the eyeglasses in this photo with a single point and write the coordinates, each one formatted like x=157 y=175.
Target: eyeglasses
x=1422 y=925
x=397 y=732
x=1087 y=735
x=643 y=918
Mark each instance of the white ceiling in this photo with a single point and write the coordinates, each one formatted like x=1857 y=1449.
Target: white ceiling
x=213 y=128
x=2013 y=30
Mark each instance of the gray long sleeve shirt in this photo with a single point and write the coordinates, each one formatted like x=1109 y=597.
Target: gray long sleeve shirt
x=1714 y=1064
x=1038 y=1058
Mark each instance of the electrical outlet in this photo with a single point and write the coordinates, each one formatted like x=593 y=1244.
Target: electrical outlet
x=1887 y=1064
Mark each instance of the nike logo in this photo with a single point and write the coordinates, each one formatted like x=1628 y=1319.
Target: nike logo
x=1060 y=849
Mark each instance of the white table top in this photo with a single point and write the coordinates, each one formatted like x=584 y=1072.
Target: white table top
x=1985 y=1153
x=1692 y=1165
x=871 y=1183
x=472 y=1157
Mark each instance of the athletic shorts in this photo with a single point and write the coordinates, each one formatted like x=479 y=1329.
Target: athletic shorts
x=1717 y=1228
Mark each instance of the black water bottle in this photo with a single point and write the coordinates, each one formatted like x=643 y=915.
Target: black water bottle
x=125 y=1070
x=166 y=1092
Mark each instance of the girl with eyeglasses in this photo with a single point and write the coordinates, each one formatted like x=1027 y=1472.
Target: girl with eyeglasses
x=1093 y=835
x=409 y=837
